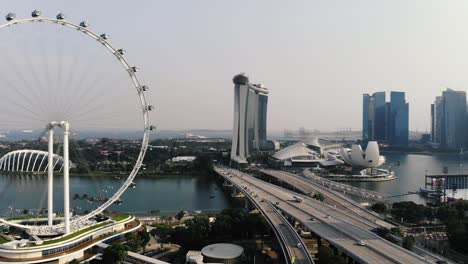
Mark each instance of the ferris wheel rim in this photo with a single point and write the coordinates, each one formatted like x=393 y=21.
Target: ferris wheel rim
x=131 y=70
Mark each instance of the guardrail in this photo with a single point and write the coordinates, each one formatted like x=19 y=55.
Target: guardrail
x=298 y=237
x=385 y=255
x=284 y=247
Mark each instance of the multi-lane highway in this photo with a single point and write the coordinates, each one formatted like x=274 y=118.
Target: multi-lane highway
x=331 y=197
x=366 y=219
x=339 y=227
x=291 y=243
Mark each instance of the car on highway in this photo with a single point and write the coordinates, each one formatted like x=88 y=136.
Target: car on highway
x=360 y=243
x=299 y=245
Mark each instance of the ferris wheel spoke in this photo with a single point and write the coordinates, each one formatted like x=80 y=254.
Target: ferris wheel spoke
x=36 y=80
x=69 y=87
x=16 y=89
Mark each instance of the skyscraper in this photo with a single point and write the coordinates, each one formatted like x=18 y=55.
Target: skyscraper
x=398 y=119
x=250 y=113
x=449 y=119
x=374 y=109
x=385 y=122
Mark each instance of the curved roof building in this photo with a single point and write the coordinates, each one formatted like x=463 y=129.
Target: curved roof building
x=308 y=152
x=358 y=158
x=27 y=160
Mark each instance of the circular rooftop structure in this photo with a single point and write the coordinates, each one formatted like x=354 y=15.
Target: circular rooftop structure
x=222 y=253
x=240 y=79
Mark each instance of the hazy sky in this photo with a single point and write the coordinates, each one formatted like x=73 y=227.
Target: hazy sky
x=316 y=57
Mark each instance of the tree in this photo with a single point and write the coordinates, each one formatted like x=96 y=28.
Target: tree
x=337 y=260
x=199 y=227
x=324 y=255
x=318 y=196
x=179 y=215
x=409 y=212
x=143 y=238
x=74 y=261
x=379 y=207
x=115 y=254
x=155 y=211
x=408 y=242
x=203 y=164
x=458 y=235
x=163 y=232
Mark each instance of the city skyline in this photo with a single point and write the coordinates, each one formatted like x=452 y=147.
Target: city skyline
x=312 y=52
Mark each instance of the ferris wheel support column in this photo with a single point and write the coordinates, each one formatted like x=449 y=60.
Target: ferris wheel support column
x=50 y=185
x=66 y=183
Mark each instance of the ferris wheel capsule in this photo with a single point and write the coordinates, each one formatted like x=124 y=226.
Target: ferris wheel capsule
x=10 y=16
x=84 y=24
x=36 y=13
x=61 y=16
x=81 y=220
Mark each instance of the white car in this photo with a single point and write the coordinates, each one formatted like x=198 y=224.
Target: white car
x=360 y=243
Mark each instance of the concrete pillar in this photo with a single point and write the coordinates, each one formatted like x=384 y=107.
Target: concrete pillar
x=66 y=183
x=50 y=179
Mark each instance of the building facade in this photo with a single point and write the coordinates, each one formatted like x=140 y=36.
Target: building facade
x=449 y=120
x=386 y=121
x=250 y=114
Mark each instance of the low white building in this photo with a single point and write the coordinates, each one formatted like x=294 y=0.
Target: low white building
x=179 y=159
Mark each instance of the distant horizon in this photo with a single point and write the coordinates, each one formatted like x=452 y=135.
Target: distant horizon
x=317 y=58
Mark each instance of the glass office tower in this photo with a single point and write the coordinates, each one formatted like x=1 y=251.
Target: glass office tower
x=398 y=130
x=386 y=122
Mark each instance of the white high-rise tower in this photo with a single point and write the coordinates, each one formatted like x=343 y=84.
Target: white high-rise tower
x=249 y=129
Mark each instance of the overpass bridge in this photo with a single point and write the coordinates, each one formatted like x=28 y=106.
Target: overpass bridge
x=340 y=228
x=369 y=219
x=292 y=245
x=335 y=199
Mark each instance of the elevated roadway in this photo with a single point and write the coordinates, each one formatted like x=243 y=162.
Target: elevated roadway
x=349 y=209
x=292 y=245
x=333 y=198
x=343 y=230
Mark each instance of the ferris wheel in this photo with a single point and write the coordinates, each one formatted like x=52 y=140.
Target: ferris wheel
x=65 y=100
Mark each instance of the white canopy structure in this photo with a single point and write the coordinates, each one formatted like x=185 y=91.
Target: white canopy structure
x=358 y=158
x=28 y=160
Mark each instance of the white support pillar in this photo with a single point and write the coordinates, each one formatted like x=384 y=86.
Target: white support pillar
x=66 y=169
x=56 y=161
x=29 y=160
x=50 y=185
x=24 y=160
x=35 y=160
x=9 y=159
x=42 y=161
x=18 y=161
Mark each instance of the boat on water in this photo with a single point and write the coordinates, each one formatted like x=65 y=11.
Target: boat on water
x=366 y=175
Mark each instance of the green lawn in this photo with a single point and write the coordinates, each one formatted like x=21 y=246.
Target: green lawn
x=70 y=236
x=3 y=240
x=120 y=217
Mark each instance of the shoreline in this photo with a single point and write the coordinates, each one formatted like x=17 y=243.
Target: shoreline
x=146 y=175
x=422 y=153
